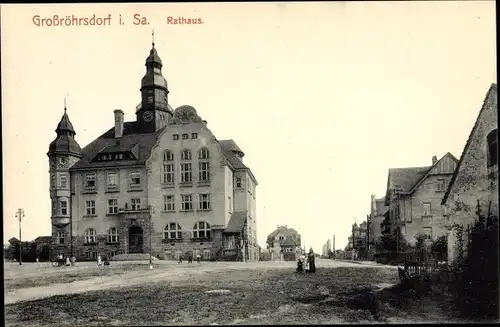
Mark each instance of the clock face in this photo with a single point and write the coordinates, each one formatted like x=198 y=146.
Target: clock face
x=148 y=116
x=62 y=160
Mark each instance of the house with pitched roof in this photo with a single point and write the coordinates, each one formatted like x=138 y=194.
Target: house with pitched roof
x=284 y=241
x=476 y=178
x=413 y=198
x=162 y=184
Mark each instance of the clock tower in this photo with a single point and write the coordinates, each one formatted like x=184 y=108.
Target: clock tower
x=154 y=112
x=63 y=153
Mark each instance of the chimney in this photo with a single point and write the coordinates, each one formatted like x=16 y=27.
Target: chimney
x=118 y=123
x=434 y=160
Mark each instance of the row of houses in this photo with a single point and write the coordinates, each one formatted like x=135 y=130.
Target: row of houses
x=431 y=200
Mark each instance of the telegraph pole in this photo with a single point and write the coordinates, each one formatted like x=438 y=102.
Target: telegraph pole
x=20 y=216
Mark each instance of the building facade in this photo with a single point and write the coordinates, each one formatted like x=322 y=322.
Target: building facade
x=284 y=243
x=162 y=183
x=414 y=197
x=476 y=176
x=377 y=215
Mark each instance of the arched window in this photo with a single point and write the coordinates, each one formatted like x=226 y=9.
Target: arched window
x=112 y=235
x=90 y=236
x=168 y=155
x=203 y=154
x=492 y=140
x=172 y=232
x=186 y=154
x=201 y=230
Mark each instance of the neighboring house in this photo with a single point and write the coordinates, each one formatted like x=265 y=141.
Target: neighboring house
x=283 y=240
x=162 y=183
x=414 y=196
x=377 y=215
x=476 y=176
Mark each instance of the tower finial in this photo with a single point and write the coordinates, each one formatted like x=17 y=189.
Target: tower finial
x=65 y=103
x=153 y=37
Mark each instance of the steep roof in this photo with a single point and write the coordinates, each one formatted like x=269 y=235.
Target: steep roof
x=43 y=239
x=237 y=222
x=288 y=231
x=289 y=242
x=133 y=140
x=447 y=155
x=492 y=92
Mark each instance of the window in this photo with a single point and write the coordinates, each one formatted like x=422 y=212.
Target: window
x=135 y=179
x=201 y=230
x=168 y=155
x=427 y=209
x=63 y=181
x=168 y=173
x=186 y=173
x=185 y=136
x=112 y=206
x=281 y=238
x=113 y=235
x=90 y=207
x=204 y=201
x=172 y=232
x=90 y=181
x=428 y=233
x=176 y=136
x=60 y=237
x=186 y=154
x=204 y=171
x=492 y=140
x=168 y=203
x=441 y=185
x=112 y=180
x=187 y=202
x=90 y=236
x=136 y=203
x=238 y=182
x=52 y=181
x=203 y=154
x=194 y=135
x=64 y=208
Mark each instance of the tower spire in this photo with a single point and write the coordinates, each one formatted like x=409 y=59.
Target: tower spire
x=65 y=103
x=153 y=37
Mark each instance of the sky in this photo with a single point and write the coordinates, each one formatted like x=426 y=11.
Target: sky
x=323 y=98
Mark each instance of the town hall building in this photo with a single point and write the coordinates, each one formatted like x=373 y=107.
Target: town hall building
x=162 y=183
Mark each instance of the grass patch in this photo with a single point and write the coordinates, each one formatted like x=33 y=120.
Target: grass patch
x=257 y=296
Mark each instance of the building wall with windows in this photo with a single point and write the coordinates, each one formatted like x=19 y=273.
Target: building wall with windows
x=476 y=176
x=162 y=183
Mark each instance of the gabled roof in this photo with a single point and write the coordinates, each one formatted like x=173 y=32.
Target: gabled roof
x=289 y=242
x=133 y=140
x=404 y=178
x=231 y=150
x=447 y=155
x=289 y=231
x=237 y=222
x=13 y=240
x=492 y=92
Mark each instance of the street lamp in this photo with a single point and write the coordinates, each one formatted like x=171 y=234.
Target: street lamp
x=151 y=210
x=20 y=216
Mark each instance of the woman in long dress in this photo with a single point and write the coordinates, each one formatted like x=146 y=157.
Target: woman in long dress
x=310 y=260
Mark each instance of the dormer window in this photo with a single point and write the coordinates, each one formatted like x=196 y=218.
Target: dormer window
x=492 y=140
x=194 y=135
x=185 y=136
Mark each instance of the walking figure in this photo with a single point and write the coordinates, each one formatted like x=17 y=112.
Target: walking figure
x=180 y=259
x=198 y=258
x=190 y=259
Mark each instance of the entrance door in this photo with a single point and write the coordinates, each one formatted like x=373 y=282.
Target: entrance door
x=135 y=239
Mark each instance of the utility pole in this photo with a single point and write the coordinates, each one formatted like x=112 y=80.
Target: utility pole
x=150 y=211
x=20 y=216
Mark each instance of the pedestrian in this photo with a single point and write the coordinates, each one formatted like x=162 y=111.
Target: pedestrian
x=300 y=266
x=311 y=263
x=198 y=258
x=99 y=260
x=73 y=260
x=190 y=259
x=180 y=258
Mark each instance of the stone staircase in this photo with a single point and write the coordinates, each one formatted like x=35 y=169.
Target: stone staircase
x=132 y=257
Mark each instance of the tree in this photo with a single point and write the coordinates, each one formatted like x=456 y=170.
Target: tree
x=439 y=248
